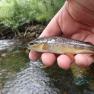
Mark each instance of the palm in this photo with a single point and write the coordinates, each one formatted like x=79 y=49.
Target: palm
x=73 y=29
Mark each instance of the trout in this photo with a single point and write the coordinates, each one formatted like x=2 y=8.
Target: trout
x=61 y=45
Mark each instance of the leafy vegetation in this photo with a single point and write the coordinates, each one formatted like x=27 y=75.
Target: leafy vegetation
x=14 y=13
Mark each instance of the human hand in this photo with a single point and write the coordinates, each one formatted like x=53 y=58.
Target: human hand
x=64 y=23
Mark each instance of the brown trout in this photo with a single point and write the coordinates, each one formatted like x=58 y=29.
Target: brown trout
x=61 y=45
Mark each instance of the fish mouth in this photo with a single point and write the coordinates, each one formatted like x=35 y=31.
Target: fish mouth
x=29 y=45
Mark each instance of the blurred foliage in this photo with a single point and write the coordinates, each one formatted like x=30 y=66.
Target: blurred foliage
x=14 y=13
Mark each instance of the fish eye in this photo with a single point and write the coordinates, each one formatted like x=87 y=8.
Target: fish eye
x=30 y=43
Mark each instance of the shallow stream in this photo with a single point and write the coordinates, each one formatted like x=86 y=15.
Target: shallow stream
x=19 y=75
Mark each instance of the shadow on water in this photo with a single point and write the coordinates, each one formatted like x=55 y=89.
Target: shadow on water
x=19 y=76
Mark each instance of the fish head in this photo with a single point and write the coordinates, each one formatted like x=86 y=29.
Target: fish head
x=39 y=45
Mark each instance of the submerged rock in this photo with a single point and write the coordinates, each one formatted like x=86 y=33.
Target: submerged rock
x=38 y=80
x=30 y=81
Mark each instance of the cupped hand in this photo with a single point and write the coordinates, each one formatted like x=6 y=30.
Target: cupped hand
x=63 y=24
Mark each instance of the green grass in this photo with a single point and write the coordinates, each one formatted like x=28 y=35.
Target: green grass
x=14 y=13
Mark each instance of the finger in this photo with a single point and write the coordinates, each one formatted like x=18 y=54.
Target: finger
x=83 y=60
x=48 y=59
x=64 y=61
x=34 y=55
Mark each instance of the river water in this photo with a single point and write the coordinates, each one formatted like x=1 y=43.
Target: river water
x=19 y=75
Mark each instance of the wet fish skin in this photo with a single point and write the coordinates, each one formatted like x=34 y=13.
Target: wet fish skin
x=61 y=45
